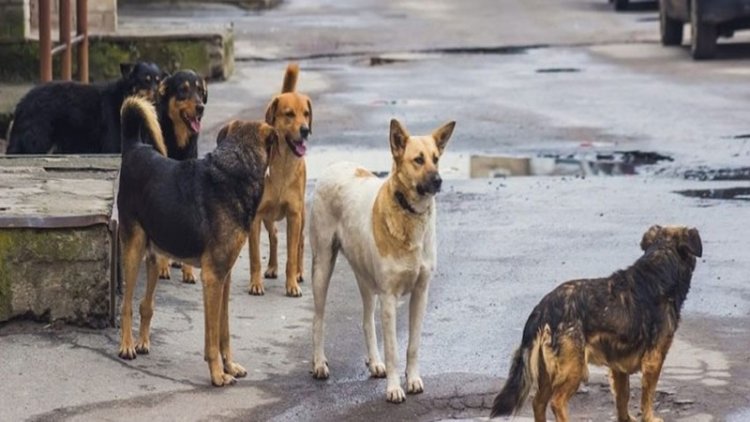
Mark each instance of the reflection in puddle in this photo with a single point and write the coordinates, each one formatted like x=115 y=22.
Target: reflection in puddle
x=739 y=193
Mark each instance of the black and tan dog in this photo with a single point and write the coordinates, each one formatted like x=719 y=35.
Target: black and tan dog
x=180 y=106
x=626 y=321
x=223 y=190
x=75 y=118
x=284 y=198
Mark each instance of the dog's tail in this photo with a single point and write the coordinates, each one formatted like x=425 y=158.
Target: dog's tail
x=139 y=123
x=290 y=78
x=524 y=369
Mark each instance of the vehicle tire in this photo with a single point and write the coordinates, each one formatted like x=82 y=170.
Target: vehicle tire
x=671 y=29
x=621 y=5
x=702 y=35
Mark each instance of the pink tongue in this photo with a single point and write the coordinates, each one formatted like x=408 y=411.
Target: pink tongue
x=300 y=148
x=195 y=124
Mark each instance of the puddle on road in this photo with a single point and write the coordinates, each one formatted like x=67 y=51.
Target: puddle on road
x=462 y=165
x=704 y=174
x=738 y=193
x=558 y=70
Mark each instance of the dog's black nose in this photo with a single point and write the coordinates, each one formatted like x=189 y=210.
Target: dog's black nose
x=304 y=131
x=436 y=182
x=199 y=109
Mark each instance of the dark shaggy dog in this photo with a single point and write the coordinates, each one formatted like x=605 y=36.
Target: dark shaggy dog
x=182 y=99
x=74 y=118
x=625 y=321
x=223 y=190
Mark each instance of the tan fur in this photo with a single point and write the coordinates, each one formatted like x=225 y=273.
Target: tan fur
x=152 y=122
x=181 y=130
x=362 y=172
x=284 y=193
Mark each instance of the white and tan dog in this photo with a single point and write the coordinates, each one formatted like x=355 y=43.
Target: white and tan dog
x=386 y=231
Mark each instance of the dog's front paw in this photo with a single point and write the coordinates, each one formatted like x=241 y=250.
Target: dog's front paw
x=143 y=347
x=127 y=350
x=320 y=371
x=234 y=369
x=164 y=273
x=293 y=290
x=647 y=419
x=395 y=394
x=188 y=276
x=377 y=369
x=271 y=272
x=222 y=379
x=300 y=279
x=256 y=290
x=414 y=385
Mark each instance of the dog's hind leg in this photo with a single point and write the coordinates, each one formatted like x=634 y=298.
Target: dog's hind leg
x=374 y=363
x=253 y=245
x=213 y=297
x=542 y=396
x=162 y=263
x=188 y=276
x=230 y=366
x=133 y=247
x=147 y=306
x=301 y=253
x=273 y=249
x=394 y=393
x=324 y=250
x=620 y=383
x=568 y=372
x=417 y=305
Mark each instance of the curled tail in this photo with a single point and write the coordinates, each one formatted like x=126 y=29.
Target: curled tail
x=524 y=371
x=290 y=78
x=139 y=124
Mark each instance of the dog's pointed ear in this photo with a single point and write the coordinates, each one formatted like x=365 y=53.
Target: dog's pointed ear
x=164 y=75
x=398 y=138
x=309 y=118
x=163 y=87
x=126 y=69
x=691 y=242
x=205 y=90
x=443 y=134
x=271 y=111
x=650 y=236
x=224 y=132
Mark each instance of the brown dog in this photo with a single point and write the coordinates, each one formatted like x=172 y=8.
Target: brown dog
x=284 y=196
x=625 y=322
x=223 y=190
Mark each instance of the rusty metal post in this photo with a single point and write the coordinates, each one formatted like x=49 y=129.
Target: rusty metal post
x=82 y=23
x=45 y=41
x=65 y=24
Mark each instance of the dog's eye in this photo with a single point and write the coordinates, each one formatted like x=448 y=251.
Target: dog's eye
x=419 y=160
x=307 y=113
x=148 y=78
x=290 y=114
x=435 y=159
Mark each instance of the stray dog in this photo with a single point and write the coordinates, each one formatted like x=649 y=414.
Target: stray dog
x=182 y=99
x=625 y=321
x=386 y=231
x=75 y=118
x=223 y=190
x=284 y=197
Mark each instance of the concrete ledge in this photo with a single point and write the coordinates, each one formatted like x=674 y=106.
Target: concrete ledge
x=58 y=246
x=210 y=54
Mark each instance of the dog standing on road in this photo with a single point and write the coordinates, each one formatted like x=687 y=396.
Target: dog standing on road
x=626 y=321
x=181 y=102
x=386 y=231
x=284 y=196
x=223 y=191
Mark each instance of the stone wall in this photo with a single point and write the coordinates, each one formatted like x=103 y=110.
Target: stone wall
x=13 y=16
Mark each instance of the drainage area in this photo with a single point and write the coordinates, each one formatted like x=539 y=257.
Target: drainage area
x=462 y=165
x=737 y=193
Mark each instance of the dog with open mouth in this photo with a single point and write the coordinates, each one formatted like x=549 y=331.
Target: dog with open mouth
x=182 y=99
x=290 y=113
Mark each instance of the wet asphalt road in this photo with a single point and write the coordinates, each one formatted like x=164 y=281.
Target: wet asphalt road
x=503 y=243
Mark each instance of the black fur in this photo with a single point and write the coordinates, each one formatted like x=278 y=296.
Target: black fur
x=223 y=190
x=75 y=118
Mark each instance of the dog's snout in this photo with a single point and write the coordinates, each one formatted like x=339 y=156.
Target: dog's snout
x=199 y=109
x=304 y=131
x=436 y=181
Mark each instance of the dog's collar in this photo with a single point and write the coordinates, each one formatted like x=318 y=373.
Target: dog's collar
x=401 y=199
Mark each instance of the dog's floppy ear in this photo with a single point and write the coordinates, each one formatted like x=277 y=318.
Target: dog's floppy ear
x=398 y=138
x=309 y=118
x=650 y=236
x=691 y=242
x=271 y=111
x=126 y=69
x=443 y=134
